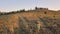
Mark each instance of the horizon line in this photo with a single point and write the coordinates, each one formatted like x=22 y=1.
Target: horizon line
x=10 y=10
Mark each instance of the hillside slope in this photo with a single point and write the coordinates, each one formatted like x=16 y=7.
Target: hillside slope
x=30 y=22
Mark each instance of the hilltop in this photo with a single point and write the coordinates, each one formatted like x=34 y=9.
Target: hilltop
x=38 y=21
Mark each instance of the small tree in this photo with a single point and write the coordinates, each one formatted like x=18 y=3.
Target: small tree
x=22 y=10
x=36 y=8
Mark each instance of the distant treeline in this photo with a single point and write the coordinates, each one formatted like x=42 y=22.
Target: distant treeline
x=2 y=13
x=13 y=12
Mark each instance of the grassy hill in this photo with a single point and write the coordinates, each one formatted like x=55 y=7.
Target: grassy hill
x=38 y=21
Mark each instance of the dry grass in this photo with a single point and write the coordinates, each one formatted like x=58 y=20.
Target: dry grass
x=26 y=22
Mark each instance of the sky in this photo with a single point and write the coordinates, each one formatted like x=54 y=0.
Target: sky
x=14 y=5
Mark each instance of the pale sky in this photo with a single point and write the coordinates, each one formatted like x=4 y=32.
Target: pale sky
x=12 y=5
